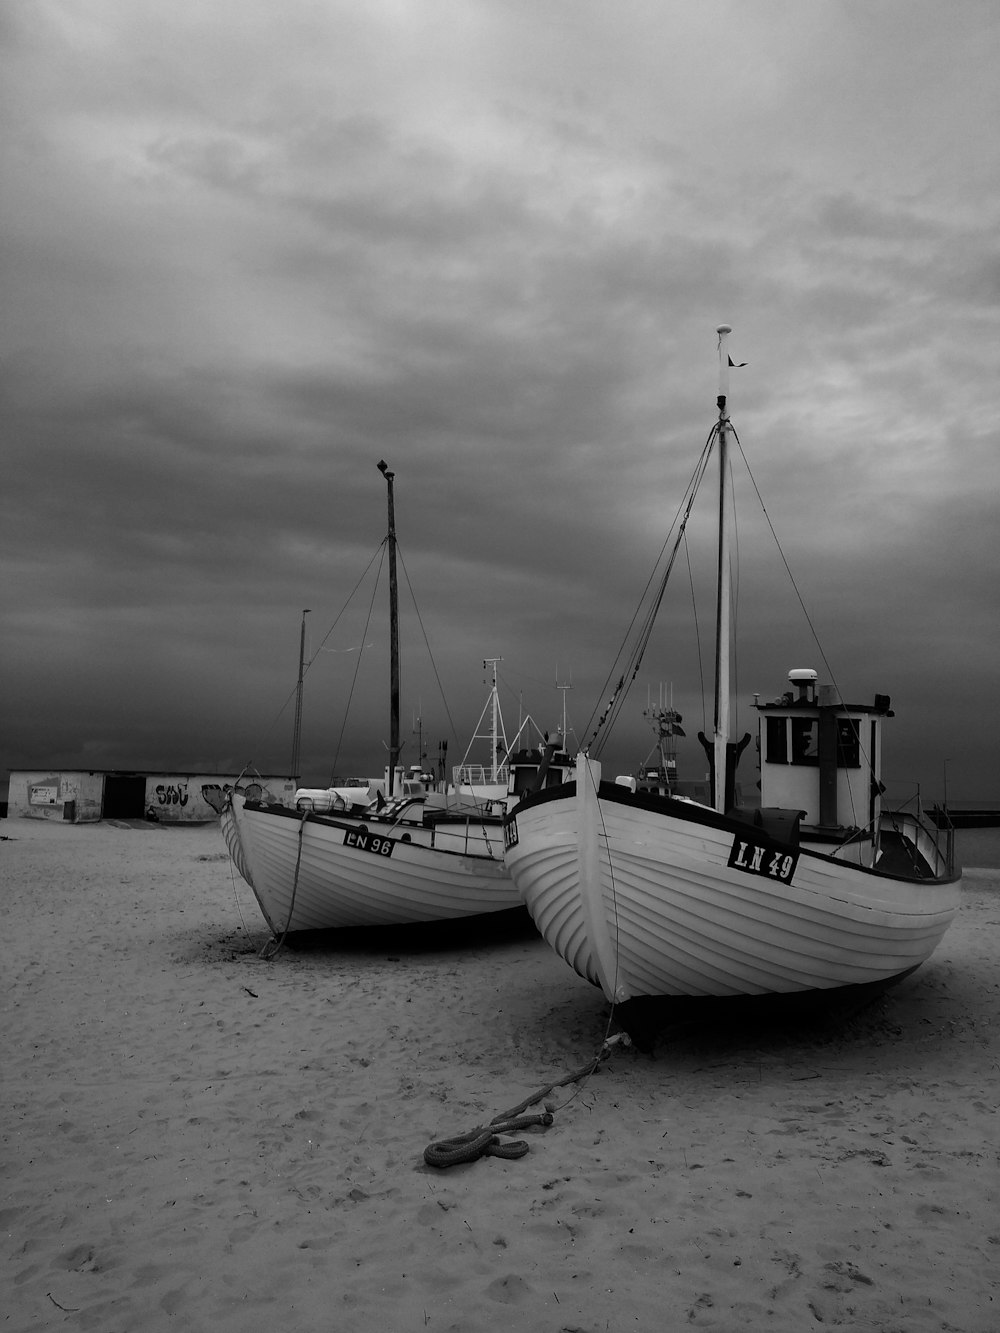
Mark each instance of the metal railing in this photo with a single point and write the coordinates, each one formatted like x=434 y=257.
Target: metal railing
x=478 y=775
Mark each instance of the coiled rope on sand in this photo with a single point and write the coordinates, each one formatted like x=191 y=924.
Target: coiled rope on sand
x=484 y=1141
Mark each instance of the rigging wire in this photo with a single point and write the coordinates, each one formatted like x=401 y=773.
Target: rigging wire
x=420 y=622
x=633 y=660
x=340 y=614
x=379 y=554
x=795 y=588
x=482 y=807
x=357 y=665
x=644 y=620
x=781 y=553
x=515 y=696
x=376 y=554
x=734 y=612
x=697 y=636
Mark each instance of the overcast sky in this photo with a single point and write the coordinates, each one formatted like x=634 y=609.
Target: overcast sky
x=250 y=249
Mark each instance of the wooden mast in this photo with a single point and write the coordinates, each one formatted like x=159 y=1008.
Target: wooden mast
x=494 y=711
x=723 y=611
x=297 y=728
x=393 y=636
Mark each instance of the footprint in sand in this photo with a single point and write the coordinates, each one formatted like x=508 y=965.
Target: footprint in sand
x=80 y=1259
x=509 y=1290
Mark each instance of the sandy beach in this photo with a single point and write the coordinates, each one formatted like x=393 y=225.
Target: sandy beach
x=195 y=1138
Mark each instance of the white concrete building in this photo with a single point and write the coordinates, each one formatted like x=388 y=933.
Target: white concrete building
x=84 y=796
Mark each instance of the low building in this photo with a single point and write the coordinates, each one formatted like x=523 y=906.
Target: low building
x=85 y=796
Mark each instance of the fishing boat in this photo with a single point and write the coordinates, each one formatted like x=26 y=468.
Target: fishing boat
x=821 y=887
x=420 y=856
x=662 y=777
x=513 y=767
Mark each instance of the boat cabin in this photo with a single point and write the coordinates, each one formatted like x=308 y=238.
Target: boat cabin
x=533 y=769
x=821 y=756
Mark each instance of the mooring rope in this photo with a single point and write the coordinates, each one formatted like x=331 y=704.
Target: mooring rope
x=267 y=953
x=239 y=905
x=484 y=1141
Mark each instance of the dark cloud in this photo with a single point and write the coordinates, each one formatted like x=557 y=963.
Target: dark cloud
x=247 y=257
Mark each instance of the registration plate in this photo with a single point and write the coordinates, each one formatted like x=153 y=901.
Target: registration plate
x=757 y=856
x=365 y=841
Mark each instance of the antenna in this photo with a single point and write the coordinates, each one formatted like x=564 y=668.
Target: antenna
x=564 y=688
x=418 y=731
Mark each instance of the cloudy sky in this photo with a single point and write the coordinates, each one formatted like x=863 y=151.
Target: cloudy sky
x=250 y=249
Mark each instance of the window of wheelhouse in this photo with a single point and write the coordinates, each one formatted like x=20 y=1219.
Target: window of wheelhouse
x=795 y=740
x=848 y=743
x=524 y=777
x=777 y=740
x=805 y=740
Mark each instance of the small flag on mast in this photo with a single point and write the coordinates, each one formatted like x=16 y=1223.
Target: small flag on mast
x=736 y=365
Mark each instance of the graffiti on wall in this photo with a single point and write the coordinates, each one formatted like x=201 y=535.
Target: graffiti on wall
x=171 y=795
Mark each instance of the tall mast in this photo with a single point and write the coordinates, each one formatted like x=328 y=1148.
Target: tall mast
x=564 y=688
x=393 y=634
x=723 y=613
x=297 y=729
x=491 y=662
x=499 y=753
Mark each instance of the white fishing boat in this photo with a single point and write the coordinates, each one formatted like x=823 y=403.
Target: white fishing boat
x=498 y=784
x=333 y=862
x=650 y=895
x=416 y=860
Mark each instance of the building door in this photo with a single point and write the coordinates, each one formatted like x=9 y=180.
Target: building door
x=124 y=797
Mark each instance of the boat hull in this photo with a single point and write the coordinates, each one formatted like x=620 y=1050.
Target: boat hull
x=669 y=899
x=312 y=872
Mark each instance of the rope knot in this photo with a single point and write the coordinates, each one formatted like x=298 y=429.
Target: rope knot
x=485 y=1141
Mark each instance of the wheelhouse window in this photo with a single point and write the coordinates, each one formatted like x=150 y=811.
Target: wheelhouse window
x=848 y=743
x=795 y=740
x=777 y=740
x=805 y=740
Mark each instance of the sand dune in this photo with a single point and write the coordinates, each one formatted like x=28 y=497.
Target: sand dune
x=196 y=1138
